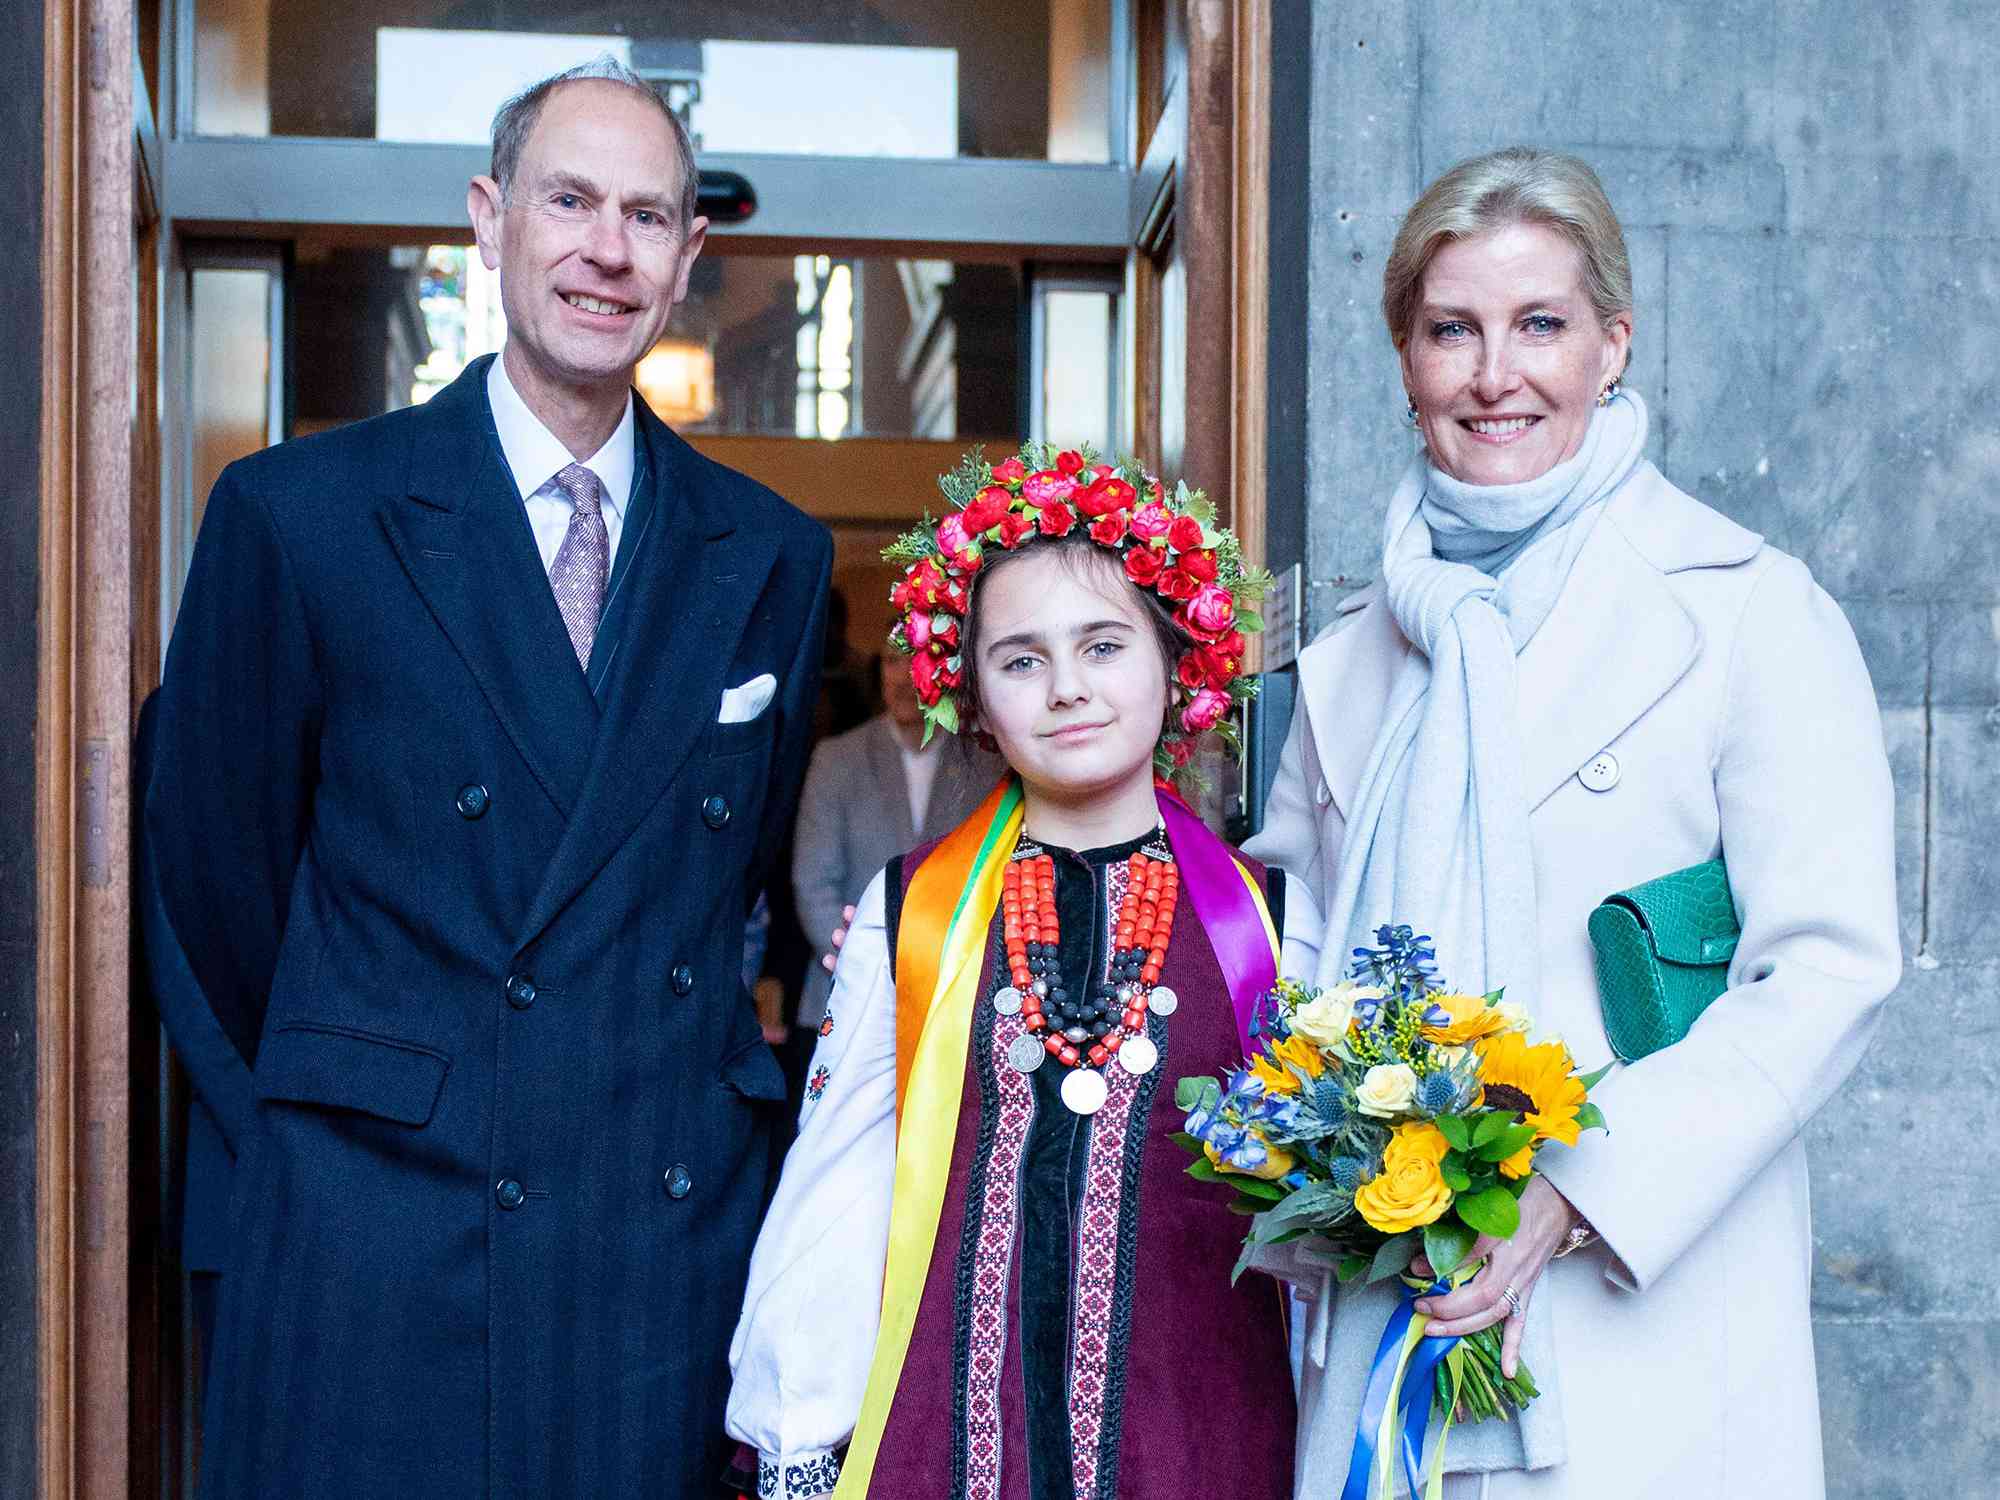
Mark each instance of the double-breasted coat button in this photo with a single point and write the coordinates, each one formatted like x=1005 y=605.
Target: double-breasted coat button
x=509 y=1194
x=715 y=811
x=1601 y=774
x=678 y=1183
x=521 y=991
x=682 y=979
x=473 y=800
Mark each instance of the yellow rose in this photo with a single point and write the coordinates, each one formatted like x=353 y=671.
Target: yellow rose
x=1471 y=1019
x=1409 y=1191
x=1387 y=1090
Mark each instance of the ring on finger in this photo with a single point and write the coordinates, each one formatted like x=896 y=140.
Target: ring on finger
x=1513 y=1301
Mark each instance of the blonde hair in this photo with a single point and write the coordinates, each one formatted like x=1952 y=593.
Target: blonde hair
x=1521 y=184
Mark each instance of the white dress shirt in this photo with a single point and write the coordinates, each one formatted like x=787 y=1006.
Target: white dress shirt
x=535 y=456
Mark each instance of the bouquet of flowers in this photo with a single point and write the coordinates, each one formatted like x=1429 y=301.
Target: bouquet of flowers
x=1391 y=1115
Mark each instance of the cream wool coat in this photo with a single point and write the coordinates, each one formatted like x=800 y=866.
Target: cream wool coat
x=1729 y=691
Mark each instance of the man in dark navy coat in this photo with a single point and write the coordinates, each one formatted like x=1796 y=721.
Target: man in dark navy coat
x=481 y=722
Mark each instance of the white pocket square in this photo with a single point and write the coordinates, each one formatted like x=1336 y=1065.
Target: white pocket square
x=742 y=704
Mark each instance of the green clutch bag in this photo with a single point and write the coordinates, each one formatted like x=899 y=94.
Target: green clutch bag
x=1663 y=951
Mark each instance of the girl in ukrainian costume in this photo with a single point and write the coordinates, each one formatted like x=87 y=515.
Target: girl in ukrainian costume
x=985 y=1273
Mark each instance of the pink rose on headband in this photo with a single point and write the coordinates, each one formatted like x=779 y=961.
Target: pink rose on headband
x=1150 y=521
x=1209 y=614
x=1045 y=487
x=1205 y=711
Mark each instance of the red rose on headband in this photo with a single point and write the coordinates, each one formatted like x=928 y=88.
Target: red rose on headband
x=1011 y=472
x=944 y=630
x=1104 y=497
x=1143 y=565
x=1205 y=712
x=1109 y=530
x=1013 y=527
x=1046 y=487
x=1177 y=583
x=924 y=674
x=1208 y=614
x=1199 y=565
x=986 y=509
x=1070 y=462
x=1193 y=670
x=1056 y=519
x=1185 y=535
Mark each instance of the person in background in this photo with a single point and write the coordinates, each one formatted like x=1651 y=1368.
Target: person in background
x=869 y=795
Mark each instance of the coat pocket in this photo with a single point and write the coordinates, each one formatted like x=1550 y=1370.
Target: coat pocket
x=754 y=1073
x=339 y=1068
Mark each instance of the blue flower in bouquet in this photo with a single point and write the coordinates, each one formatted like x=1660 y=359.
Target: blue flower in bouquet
x=1243 y=1149
x=1348 y=1172
x=1437 y=1094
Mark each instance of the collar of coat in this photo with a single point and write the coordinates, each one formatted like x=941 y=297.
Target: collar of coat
x=1617 y=641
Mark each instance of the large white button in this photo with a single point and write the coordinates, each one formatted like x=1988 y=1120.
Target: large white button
x=1601 y=775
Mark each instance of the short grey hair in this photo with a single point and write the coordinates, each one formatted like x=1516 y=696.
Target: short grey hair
x=1521 y=184
x=515 y=122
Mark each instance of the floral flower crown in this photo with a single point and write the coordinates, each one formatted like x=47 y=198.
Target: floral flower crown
x=1169 y=544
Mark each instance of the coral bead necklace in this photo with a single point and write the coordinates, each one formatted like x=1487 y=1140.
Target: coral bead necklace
x=1085 y=1032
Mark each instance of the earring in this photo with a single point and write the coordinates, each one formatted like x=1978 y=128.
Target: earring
x=1410 y=413
x=1604 y=396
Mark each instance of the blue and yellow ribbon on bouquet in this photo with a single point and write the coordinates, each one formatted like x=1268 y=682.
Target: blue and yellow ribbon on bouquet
x=1396 y=1403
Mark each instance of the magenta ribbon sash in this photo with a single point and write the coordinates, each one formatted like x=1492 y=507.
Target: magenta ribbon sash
x=1223 y=904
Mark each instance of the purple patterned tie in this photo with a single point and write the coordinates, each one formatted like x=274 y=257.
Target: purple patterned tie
x=583 y=562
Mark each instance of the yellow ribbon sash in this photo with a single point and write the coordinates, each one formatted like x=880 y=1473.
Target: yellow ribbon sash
x=940 y=946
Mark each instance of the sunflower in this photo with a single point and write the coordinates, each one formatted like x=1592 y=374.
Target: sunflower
x=1467 y=1018
x=1289 y=1063
x=1535 y=1082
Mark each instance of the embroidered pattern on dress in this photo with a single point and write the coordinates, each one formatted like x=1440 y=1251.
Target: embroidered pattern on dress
x=826 y=1024
x=816 y=1476
x=1124 y=1279
x=767 y=1479
x=1094 y=1287
x=817 y=1085
x=992 y=1225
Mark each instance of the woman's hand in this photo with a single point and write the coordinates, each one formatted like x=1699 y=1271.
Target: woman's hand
x=1546 y=1219
x=827 y=960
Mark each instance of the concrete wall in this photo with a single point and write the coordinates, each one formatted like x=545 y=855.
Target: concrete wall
x=20 y=538
x=1809 y=191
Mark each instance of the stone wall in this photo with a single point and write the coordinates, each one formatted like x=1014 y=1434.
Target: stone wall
x=1809 y=192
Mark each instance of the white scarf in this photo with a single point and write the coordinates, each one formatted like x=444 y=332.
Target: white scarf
x=1438 y=834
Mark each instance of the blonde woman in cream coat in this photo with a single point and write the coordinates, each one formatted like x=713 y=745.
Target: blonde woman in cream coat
x=1685 y=690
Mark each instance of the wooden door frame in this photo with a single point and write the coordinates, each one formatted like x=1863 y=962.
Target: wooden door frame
x=1204 y=176
x=83 y=733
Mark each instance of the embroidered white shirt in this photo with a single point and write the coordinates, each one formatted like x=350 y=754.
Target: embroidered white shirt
x=535 y=456
x=803 y=1345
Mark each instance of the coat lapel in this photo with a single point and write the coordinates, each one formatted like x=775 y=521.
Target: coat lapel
x=688 y=592
x=462 y=535
x=1614 y=645
x=1616 y=642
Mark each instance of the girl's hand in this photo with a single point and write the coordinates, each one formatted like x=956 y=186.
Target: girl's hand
x=826 y=960
x=1546 y=1219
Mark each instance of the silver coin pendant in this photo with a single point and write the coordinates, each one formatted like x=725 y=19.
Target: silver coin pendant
x=1085 y=1091
x=1025 y=1053
x=1007 y=1001
x=1139 y=1056
x=1162 y=1001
